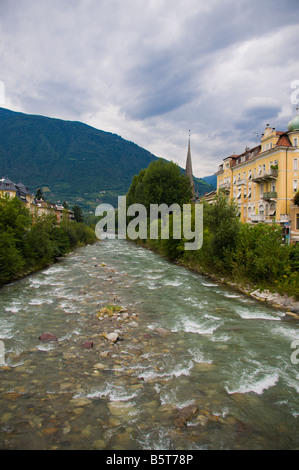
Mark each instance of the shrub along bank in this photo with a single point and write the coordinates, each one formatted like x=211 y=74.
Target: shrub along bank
x=248 y=255
x=26 y=246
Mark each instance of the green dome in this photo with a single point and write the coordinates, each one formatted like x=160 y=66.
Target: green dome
x=294 y=124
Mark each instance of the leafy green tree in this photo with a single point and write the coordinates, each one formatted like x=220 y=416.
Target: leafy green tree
x=222 y=225
x=78 y=215
x=259 y=255
x=39 y=194
x=40 y=248
x=161 y=183
x=15 y=219
x=11 y=260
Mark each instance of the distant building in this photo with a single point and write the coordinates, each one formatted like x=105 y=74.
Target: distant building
x=264 y=179
x=37 y=207
x=10 y=189
x=208 y=197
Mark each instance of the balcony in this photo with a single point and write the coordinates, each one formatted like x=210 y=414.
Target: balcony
x=265 y=175
x=270 y=195
x=225 y=186
x=284 y=218
x=239 y=182
x=258 y=218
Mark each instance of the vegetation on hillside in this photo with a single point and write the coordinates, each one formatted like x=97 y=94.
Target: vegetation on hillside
x=70 y=161
x=27 y=245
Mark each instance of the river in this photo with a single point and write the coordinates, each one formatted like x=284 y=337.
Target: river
x=198 y=365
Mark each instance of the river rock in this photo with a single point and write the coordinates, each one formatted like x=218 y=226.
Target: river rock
x=113 y=337
x=48 y=337
x=161 y=331
x=183 y=415
x=87 y=345
x=292 y=315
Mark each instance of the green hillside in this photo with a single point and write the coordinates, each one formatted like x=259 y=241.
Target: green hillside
x=70 y=161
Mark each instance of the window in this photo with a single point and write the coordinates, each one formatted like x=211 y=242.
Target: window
x=295 y=164
x=297 y=221
x=295 y=142
x=295 y=186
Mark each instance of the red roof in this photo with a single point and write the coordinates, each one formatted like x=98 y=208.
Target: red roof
x=283 y=141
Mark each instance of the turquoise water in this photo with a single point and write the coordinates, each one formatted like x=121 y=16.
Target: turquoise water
x=223 y=352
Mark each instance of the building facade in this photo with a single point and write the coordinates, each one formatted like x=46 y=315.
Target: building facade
x=11 y=190
x=37 y=207
x=263 y=180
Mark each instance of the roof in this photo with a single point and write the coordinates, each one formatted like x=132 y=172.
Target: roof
x=284 y=141
x=7 y=184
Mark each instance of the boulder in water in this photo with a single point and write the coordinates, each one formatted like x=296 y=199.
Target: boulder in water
x=183 y=415
x=47 y=337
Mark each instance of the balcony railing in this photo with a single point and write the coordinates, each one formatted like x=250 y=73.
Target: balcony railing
x=224 y=186
x=270 y=195
x=257 y=218
x=284 y=218
x=265 y=175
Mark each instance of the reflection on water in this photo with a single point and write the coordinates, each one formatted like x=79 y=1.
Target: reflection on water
x=185 y=342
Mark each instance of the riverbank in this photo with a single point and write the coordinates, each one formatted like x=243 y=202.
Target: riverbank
x=289 y=304
x=281 y=301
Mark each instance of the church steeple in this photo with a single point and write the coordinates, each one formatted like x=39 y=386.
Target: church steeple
x=189 y=172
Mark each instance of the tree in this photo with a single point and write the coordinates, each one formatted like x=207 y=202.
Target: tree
x=161 y=183
x=11 y=261
x=78 y=215
x=222 y=225
x=39 y=194
x=259 y=255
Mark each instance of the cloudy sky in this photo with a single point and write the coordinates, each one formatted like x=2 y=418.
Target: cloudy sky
x=150 y=70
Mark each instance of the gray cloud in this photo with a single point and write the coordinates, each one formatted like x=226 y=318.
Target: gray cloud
x=150 y=71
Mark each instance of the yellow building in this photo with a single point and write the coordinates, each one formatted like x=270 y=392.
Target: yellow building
x=11 y=190
x=263 y=180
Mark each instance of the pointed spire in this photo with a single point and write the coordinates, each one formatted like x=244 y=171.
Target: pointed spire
x=189 y=171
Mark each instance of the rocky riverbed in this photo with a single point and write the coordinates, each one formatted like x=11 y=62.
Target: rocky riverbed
x=118 y=349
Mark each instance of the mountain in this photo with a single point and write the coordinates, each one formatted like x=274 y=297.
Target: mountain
x=70 y=161
x=212 y=180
